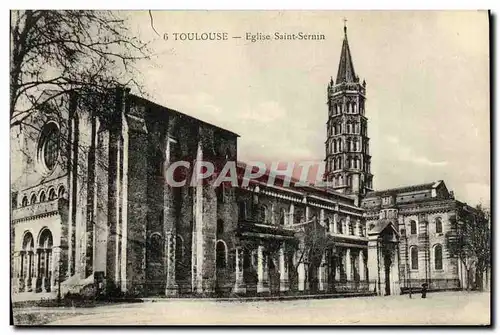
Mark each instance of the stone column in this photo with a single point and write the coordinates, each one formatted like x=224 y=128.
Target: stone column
x=362 y=275
x=239 y=285
x=302 y=275
x=172 y=287
x=347 y=227
x=44 y=274
x=36 y=278
x=291 y=214
x=335 y=220
x=322 y=276
x=373 y=265
x=29 y=277
x=284 y=285
x=54 y=266
x=262 y=273
x=348 y=265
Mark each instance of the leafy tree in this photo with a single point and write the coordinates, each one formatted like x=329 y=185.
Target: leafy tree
x=469 y=241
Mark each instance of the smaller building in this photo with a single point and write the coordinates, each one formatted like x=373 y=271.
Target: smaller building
x=409 y=225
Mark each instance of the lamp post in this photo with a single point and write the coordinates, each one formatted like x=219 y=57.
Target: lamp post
x=403 y=232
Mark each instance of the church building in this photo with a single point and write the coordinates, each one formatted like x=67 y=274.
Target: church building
x=93 y=211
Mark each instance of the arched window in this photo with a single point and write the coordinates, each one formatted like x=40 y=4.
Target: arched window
x=340 y=224
x=220 y=260
x=24 y=202
x=413 y=227
x=220 y=227
x=283 y=218
x=62 y=192
x=52 y=194
x=48 y=148
x=33 y=199
x=414 y=257
x=42 y=196
x=439 y=225
x=438 y=257
x=155 y=248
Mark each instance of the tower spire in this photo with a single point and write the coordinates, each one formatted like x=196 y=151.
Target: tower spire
x=345 y=72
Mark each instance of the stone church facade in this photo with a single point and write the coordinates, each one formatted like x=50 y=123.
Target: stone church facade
x=93 y=209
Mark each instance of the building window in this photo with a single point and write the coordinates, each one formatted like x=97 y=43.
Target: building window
x=438 y=257
x=61 y=192
x=42 y=196
x=52 y=194
x=33 y=199
x=414 y=258
x=24 y=202
x=283 y=218
x=413 y=227
x=340 y=224
x=220 y=227
x=220 y=260
x=155 y=248
x=439 y=226
x=49 y=145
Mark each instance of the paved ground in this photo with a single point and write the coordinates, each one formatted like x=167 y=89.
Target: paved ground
x=438 y=308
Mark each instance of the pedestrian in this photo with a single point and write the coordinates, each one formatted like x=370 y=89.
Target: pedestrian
x=424 y=290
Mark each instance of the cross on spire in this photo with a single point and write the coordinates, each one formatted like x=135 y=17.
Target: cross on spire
x=345 y=25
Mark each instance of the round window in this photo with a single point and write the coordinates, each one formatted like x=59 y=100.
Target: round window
x=49 y=146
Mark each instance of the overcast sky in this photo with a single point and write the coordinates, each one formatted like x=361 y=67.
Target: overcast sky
x=427 y=77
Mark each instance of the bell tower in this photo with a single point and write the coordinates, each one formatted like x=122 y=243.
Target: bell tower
x=347 y=144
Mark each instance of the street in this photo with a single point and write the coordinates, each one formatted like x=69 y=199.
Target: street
x=450 y=308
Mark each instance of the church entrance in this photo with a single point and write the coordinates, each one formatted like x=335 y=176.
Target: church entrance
x=383 y=242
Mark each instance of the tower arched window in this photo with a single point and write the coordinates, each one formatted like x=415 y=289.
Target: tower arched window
x=42 y=196
x=414 y=257
x=438 y=257
x=33 y=199
x=439 y=225
x=24 y=202
x=413 y=227
x=354 y=107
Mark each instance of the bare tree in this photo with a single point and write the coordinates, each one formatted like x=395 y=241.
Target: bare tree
x=469 y=241
x=55 y=52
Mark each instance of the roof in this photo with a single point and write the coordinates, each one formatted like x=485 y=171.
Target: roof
x=380 y=226
x=144 y=100
x=409 y=188
x=345 y=72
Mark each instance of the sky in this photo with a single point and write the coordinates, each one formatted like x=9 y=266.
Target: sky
x=427 y=77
